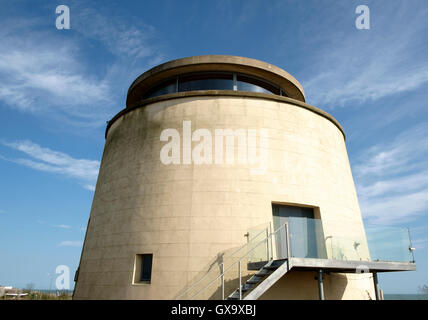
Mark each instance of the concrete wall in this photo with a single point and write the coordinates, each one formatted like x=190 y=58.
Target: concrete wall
x=187 y=215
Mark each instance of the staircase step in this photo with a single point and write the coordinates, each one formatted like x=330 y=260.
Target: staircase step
x=270 y=267
x=257 y=278
x=235 y=295
x=265 y=272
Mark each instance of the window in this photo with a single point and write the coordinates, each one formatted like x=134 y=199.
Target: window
x=205 y=82
x=143 y=268
x=164 y=88
x=214 y=81
x=245 y=83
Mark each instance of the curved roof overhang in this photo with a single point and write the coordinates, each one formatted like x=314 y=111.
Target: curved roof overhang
x=209 y=63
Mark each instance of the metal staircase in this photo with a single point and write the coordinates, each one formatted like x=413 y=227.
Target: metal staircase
x=258 y=251
x=258 y=278
x=249 y=271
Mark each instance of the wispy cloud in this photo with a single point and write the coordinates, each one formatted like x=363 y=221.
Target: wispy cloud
x=50 y=73
x=406 y=183
x=356 y=66
x=406 y=152
x=62 y=226
x=2 y=211
x=68 y=243
x=392 y=179
x=58 y=226
x=45 y=159
x=395 y=209
x=39 y=76
x=123 y=38
x=420 y=244
x=89 y=187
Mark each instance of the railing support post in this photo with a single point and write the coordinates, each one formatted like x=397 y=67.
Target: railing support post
x=320 y=285
x=267 y=244
x=376 y=285
x=222 y=281
x=271 y=243
x=240 y=280
x=287 y=237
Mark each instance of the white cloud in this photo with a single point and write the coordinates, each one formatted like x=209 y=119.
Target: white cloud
x=405 y=153
x=395 y=209
x=355 y=66
x=122 y=38
x=69 y=243
x=46 y=73
x=45 y=159
x=89 y=187
x=392 y=178
x=62 y=226
x=405 y=183
x=59 y=226
x=40 y=76
x=52 y=70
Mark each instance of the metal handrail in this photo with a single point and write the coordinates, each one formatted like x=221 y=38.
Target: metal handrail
x=222 y=264
x=225 y=270
x=239 y=261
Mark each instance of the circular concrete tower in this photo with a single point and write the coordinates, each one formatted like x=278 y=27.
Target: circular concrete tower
x=208 y=149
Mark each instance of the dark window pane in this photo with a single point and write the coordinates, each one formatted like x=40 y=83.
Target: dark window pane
x=205 y=82
x=212 y=81
x=165 y=88
x=254 y=85
x=146 y=267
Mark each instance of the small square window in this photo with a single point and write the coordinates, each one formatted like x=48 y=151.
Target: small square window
x=143 y=268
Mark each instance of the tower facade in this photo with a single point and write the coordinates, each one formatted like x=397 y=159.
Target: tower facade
x=207 y=150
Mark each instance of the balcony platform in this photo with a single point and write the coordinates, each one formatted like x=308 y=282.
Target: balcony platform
x=348 y=266
x=322 y=266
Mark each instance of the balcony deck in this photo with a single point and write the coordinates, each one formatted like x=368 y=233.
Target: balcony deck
x=350 y=266
x=322 y=266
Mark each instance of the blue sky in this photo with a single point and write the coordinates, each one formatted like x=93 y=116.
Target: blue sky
x=59 y=87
